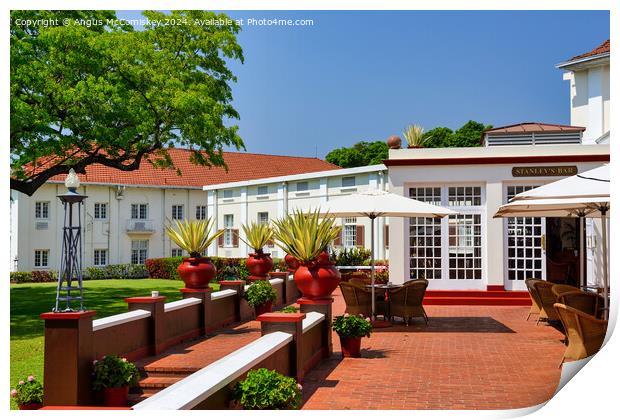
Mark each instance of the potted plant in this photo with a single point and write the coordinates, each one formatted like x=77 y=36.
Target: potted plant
x=306 y=236
x=260 y=296
x=193 y=237
x=265 y=389
x=114 y=375
x=291 y=262
x=28 y=394
x=414 y=134
x=351 y=329
x=259 y=263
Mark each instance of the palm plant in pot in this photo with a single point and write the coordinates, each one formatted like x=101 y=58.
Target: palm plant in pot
x=305 y=236
x=259 y=263
x=260 y=296
x=194 y=238
x=415 y=136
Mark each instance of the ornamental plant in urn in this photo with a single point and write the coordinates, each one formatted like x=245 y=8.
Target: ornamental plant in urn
x=259 y=263
x=28 y=394
x=193 y=237
x=260 y=296
x=351 y=329
x=114 y=375
x=306 y=236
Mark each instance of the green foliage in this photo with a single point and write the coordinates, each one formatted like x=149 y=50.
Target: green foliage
x=193 y=236
x=258 y=235
x=305 y=235
x=289 y=310
x=415 y=136
x=227 y=268
x=382 y=276
x=21 y=277
x=360 y=154
x=352 y=256
x=116 y=271
x=466 y=136
x=110 y=95
x=352 y=326
x=28 y=391
x=114 y=372
x=265 y=389
x=260 y=292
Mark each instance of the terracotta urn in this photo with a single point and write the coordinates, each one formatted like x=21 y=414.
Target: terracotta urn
x=316 y=281
x=259 y=264
x=394 y=142
x=115 y=397
x=197 y=273
x=351 y=346
x=263 y=308
x=291 y=262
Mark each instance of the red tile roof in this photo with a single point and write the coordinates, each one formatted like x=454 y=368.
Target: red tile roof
x=533 y=127
x=241 y=167
x=601 y=49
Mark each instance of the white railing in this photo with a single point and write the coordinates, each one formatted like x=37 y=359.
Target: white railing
x=312 y=319
x=223 y=294
x=110 y=321
x=197 y=387
x=276 y=281
x=183 y=303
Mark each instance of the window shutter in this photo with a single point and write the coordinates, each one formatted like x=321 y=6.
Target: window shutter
x=338 y=240
x=359 y=235
x=220 y=240
x=386 y=235
x=270 y=244
x=235 y=238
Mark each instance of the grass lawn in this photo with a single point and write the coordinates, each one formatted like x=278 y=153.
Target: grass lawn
x=31 y=299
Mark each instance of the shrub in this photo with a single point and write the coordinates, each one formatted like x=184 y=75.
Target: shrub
x=352 y=326
x=265 y=389
x=227 y=268
x=44 y=276
x=289 y=310
x=163 y=268
x=21 y=277
x=28 y=392
x=351 y=257
x=260 y=292
x=116 y=271
x=114 y=372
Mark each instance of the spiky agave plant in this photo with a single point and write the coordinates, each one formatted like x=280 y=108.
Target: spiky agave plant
x=414 y=134
x=193 y=236
x=258 y=235
x=305 y=235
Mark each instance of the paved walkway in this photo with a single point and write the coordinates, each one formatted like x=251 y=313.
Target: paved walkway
x=468 y=357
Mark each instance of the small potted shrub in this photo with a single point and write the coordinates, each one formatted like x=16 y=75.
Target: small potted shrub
x=260 y=296
x=259 y=263
x=193 y=237
x=265 y=389
x=28 y=394
x=351 y=329
x=114 y=375
x=416 y=139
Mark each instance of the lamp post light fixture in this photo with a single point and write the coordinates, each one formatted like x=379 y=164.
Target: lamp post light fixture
x=70 y=270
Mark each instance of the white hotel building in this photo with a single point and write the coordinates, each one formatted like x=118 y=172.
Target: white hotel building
x=125 y=213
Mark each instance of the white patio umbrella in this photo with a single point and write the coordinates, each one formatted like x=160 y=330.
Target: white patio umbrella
x=582 y=195
x=377 y=203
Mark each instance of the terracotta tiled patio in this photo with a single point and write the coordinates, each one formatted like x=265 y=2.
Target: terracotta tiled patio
x=468 y=357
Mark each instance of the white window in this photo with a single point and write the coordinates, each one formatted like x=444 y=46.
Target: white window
x=176 y=252
x=177 y=212
x=42 y=210
x=263 y=190
x=101 y=210
x=227 y=194
x=348 y=181
x=139 y=211
x=100 y=257
x=349 y=232
x=201 y=212
x=139 y=251
x=302 y=186
x=228 y=229
x=41 y=258
x=263 y=217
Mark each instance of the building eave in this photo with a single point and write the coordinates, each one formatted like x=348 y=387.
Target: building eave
x=584 y=62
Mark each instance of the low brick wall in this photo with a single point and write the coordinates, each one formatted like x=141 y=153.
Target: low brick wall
x=74 y=340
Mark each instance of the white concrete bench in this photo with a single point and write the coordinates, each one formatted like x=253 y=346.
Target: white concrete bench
x=110 y=321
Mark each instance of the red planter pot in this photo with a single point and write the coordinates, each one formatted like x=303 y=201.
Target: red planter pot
x=291 y=262
x=263 y=308
x=351 y=346
x=115 y=397
x=259 y=264
x=197 y=273
x=30 y=406
x=316 y=281
x=324 y=259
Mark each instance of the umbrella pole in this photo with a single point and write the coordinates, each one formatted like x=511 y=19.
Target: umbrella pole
x=605 y=274
x=372 y=265
x=582 y=257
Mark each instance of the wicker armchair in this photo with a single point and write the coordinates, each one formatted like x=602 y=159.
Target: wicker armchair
x=585 y=333
x=406 y=301
x=358 y=281
x=536 y=305
x=357 y=298
x=558 y=289
x=547 y=299
x=583 y=301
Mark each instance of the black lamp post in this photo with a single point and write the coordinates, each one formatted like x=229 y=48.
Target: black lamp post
x=71 y=254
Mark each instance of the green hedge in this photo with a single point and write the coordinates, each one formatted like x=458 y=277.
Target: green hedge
x=116 y=271
x=34 y=276
x=227 y=268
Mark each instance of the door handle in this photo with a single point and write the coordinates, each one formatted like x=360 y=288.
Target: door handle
x=543 y=242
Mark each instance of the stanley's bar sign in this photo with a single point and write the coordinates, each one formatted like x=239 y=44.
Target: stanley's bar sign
x=520 y=171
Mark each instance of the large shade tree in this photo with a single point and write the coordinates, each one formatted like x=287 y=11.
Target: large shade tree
x=112 y=95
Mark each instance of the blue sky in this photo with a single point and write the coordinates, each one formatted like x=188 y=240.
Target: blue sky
x=356 y=76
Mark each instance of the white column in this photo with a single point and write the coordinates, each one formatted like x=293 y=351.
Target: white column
x=212 y=213
x=493 y=238
x=243 y=247
x=595 y=105
x=399 y=244
x=323 y=190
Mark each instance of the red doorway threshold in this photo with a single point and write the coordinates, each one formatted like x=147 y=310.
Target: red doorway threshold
x=477 y=297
